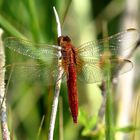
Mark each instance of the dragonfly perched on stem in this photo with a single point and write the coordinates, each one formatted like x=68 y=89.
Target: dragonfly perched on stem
x=85 y=63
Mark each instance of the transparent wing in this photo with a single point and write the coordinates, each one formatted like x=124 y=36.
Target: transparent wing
x=90 y=71
x=32 y=72
x=93 y=70
x=92 y=55
x=36 y=51
x=47 y=53
x=114 y=44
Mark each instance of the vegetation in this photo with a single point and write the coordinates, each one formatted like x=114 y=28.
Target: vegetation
x=29 y=94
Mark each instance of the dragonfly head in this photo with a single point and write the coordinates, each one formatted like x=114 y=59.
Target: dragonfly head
x=63 y=40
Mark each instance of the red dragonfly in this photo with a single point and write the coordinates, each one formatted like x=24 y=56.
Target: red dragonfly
x=85 y=62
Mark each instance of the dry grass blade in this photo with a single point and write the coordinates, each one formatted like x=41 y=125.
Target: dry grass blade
x=3 y=114
x=66 y=11
x=40 y=127
x=57 y=88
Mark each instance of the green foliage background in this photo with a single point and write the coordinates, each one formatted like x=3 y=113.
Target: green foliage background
x=29 y=101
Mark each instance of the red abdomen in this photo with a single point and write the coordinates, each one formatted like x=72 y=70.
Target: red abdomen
x=72 y=91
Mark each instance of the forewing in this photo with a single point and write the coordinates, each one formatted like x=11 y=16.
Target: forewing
x=37 y=51
x=91 y=56
x=114 y=44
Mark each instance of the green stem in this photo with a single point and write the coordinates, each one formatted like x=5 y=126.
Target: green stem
x=11 y=29
x=34 y=21
x=109 y=119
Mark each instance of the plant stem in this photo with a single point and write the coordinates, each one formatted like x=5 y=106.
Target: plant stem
x=40 y=128
x=109 y=111
x=57 y=88
x=3 y=115
x=11 y=29
x=61 y=119
x=34 y=21
x=103 y=105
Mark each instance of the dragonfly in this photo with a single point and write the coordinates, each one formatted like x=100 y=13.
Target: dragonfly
x=86 y=62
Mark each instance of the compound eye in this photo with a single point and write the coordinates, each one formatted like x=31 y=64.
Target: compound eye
x=66 y=38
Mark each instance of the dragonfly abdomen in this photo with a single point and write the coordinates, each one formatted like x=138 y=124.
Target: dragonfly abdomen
x=72 y=91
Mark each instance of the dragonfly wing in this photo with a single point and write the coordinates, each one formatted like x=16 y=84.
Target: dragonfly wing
x=90 y=71
x=37 y=51
x=93 y=70
x=91 y=56
x=120 y=66
x=31 y=72
x=115 y=42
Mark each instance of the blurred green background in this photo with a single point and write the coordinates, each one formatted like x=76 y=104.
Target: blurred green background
x=29 y=102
